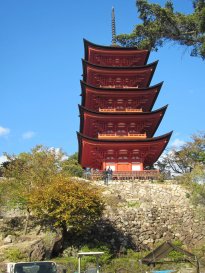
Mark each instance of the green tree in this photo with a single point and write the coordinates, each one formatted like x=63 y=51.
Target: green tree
x=72 y=166
x=188 y=157
x=27 y=172
x=40 y=182
x=162 y=24
x=67 y=203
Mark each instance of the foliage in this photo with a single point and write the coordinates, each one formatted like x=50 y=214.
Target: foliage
x=3 y=166
x=197 y=188
x=67 y=203
x=72 y=166
x=108 y=263
x=194 y=182
x=103 y=259
x=163 y=24
x=174 y=254
x=189 y=162
x=41 y=182
x=14 y=254
x=29 y=171
x=188 y=157
x=130 y=262
x=133 y=204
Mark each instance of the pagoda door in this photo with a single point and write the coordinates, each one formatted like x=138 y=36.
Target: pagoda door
x=123 y=167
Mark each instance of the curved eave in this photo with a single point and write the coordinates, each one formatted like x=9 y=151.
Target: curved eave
x=125 y=91
x=164 y=137
x=160 y=113
x=107 y=89
x=121 y=69
x=86 y=63
x=107 y=69
x=88 y=44
x=162 y=140
x=104 y=114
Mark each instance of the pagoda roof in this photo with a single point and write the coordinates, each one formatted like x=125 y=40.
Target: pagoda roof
x=104 y=114
x=92 y=51
x=123 y=68
x=152 y=148
x=152 y=92
x=156 y=117
x=142 y=75
x=124 y=89
x=113 y=47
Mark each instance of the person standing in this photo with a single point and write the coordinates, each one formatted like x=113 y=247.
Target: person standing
x=109 y=174
x=105 y=176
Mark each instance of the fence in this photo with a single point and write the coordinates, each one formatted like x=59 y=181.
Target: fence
x=125 y=175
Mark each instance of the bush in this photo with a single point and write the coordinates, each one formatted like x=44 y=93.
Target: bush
x=14 y=254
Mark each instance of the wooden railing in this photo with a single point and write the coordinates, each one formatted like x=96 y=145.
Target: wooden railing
x=126 y=175
x=119 y=86
x=115 y=136
x=110 y=110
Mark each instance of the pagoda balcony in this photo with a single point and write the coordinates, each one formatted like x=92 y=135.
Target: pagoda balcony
x=119 y=86
x=120 y=137
x=111 y=110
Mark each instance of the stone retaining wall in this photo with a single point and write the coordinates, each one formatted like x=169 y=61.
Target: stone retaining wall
x=150 y=213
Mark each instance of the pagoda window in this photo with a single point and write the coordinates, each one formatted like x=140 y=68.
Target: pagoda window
x=121 y=124
x=110 y=128
x=132 y=128
x=117 y=61
x=121 y=128
x=123 y=152
x=110 y=125
x=135 y=158
x=120 y=105
x=109 y=132
x=110 y=102
x=120 y=108
x=110 y=152
x=121 y=132
x=120 y=101
x=110 y=157
x=129 y=102
x=132 y=131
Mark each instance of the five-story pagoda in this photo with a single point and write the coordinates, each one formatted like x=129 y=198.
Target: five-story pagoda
x=117 y=123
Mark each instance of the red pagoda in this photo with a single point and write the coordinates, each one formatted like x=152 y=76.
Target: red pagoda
x=117 y=123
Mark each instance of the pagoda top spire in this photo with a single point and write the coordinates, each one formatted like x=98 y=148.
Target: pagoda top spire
x=113 y=28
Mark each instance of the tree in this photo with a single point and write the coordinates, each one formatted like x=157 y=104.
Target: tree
x=27 y=172
x=160 y=25
x=190 y=156
x=40 y=182
x=67 y=203
x=72 y=166
x=3 y=166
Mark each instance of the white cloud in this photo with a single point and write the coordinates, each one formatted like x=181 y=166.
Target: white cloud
x=177 y=143
x=4 y=131
x=28 y=135
x=3 y=158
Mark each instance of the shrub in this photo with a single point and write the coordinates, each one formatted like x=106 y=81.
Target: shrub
x=14 y=254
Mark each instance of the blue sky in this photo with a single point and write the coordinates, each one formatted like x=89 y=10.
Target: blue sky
x=40 y=70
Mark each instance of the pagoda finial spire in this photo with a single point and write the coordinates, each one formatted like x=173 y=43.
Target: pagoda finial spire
x=113 y=27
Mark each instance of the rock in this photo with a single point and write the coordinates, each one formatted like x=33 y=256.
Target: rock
x=37 y=251
x=8 y=239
